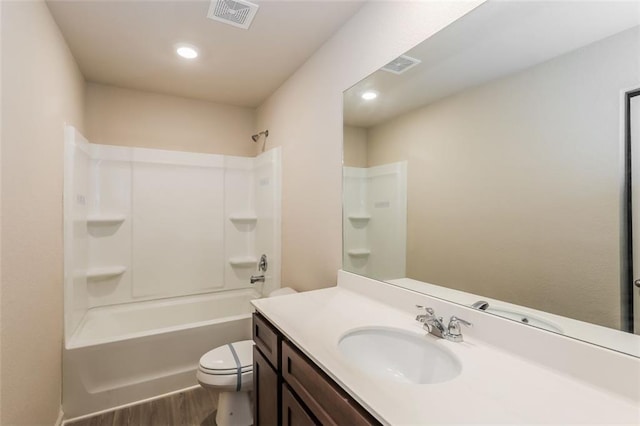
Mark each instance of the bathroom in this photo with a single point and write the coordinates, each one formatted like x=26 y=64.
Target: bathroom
x=104 y=79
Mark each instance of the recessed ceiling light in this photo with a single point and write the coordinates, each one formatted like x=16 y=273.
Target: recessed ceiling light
x=186 y=51
x=369 y=95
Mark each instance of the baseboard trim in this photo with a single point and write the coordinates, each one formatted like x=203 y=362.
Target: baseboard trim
x=119 y=407
x=60 y=418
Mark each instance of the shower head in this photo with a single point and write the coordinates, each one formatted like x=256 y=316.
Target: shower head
x=257 y=135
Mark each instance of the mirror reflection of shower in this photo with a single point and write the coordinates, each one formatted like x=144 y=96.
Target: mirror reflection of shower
x=257 y=136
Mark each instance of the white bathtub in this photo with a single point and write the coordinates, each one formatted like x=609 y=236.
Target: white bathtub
x=126 y=353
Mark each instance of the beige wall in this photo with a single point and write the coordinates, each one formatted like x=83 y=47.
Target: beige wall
x=42 y=89
x=1 y=38
x=522 y=202
x=117 y=116
x=304 y=117
x=355 y=146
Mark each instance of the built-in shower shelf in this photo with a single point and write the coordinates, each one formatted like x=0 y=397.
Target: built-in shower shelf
x=105 y=272
x=359 y=252
x=113 y=219
x=243 y=218
x=359 y=217
x=243 y=262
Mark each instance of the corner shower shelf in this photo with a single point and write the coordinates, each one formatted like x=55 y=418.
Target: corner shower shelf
x=243 y=218
x=359 y=217
x=105 y=219
x=105 y=272
x=243 y=262
x=359 y=252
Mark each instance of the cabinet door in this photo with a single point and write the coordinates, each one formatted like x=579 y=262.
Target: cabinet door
x=265 y=391
x=329 y=403
x=293 y=413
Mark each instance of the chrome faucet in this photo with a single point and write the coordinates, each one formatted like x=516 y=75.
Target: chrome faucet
x=430 y=322
x=262 y=267
x=481 y=305
x=257 y=279
x=453 y=331
x=435 y=325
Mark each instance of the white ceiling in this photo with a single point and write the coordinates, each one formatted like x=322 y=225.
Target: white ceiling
x=131 y=44
x=492 y=41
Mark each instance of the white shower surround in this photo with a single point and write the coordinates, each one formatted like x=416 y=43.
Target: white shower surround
x=144 y=224
x=159 y=249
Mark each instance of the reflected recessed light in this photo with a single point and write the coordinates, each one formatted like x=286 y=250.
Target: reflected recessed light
x=369 y=95
x=186 y=51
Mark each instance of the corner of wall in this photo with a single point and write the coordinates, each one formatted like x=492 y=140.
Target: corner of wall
x=304 y=116
x=42 y=89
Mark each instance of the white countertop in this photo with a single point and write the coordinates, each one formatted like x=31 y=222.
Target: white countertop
x=495 y=386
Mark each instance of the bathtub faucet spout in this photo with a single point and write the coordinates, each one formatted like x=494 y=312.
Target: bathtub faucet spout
x=257 y=279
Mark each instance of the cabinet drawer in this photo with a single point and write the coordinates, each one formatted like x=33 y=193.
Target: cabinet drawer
x=266 y=339
x=293 y=413
x=327 y=402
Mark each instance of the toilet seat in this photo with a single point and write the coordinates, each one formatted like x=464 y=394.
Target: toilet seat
x=228 y=367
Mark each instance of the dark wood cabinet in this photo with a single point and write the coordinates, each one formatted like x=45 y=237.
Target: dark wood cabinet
x=265 y=384
x=293 y=412
x=304 y=394
x=267 y=339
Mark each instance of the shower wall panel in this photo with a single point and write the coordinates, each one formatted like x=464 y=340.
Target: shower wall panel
x=76 y=239
x=387 y=193
x=109 y=237
x=240 y=222
x=178 y=214
x=356 y=217
x=375 y=220
x=266 y=179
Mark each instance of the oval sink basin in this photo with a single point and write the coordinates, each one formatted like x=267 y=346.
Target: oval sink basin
x=525 y=319
x=398 y=355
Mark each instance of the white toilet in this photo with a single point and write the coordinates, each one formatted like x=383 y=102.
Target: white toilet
x=229 y=370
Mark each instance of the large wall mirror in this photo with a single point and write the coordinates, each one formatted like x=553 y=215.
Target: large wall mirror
x=491 y=166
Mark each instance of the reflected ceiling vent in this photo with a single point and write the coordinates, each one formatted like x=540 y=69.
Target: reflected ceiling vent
x=238 y=13
x=401 y=64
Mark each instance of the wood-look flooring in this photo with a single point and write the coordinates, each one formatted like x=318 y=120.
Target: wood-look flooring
x=195 y=407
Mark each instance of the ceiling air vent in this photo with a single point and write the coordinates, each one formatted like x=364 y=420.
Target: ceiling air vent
x=238 y=13
x=401 y=64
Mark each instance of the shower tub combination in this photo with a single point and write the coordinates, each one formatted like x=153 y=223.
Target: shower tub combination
x=159 y=250
x=125 y=353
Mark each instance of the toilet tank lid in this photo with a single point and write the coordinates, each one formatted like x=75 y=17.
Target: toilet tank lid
x=229 y=358
x=282 y=292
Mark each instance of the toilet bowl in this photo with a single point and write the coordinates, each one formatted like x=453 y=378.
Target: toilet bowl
x=229 y=370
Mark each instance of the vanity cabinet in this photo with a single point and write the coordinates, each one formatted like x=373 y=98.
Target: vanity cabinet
x=265 y=384
x=293 y=412
x=289 y=389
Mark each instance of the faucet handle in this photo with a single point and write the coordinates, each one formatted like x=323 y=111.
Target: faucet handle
x=420 y=317
x=454 y=334
x=456 y=319
x=429 y=313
